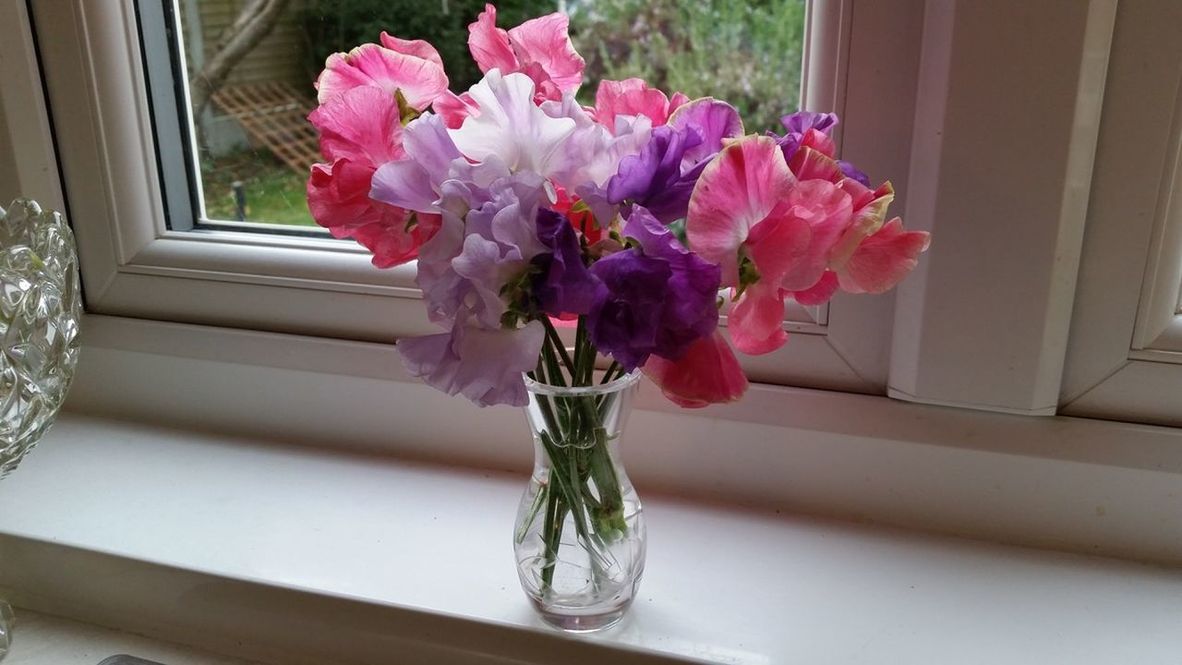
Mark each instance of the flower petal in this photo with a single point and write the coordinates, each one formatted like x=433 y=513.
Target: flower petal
x=489 y=44
x=338 y=198
x=416 y=47
x=819 y=293
x=736 y=190
x=546 y=41
x=827 y=210
x=756 y=318
x=420 y=81
x=484 y=365
x=883 y=259
x=810 y=164
x=714 y=120
x=630 y=97
x=454 y=108
x=510 y=127
x=708 y=373
x=361 y=125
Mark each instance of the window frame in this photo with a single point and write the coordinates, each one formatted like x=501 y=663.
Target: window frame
x=1123 y=359
x=133 y=265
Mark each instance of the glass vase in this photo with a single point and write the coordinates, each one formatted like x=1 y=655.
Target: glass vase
x=40 y=307
x=579 y=536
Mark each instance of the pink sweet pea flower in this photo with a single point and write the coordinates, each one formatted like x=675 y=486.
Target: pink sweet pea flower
x=361 y=129
x=872 y=256
x=633 y=97
x=411 y=66
x=540 y=48
x=708 y=373
x=770 y=233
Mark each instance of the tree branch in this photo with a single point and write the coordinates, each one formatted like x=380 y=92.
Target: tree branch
x=252 y=24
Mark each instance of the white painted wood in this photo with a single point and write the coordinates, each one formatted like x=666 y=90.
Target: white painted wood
x=49 y=640
x=1005 y=130
x=1030 y=481
x=296 y=556
x=26 y=143
x=1125 y=335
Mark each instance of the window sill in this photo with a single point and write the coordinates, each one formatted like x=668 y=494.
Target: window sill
x=293 y=555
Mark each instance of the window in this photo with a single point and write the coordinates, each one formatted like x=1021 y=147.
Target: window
x=149 y=252
x=1126 y=339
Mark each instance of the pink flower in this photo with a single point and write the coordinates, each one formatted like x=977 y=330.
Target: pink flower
x=360 y=129
x=872 y=256
x=770 y=233
x=708 y=373
x=411 y=66
x=540 y=48
x=633 y=97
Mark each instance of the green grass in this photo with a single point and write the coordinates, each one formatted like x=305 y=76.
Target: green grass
x=275 y=194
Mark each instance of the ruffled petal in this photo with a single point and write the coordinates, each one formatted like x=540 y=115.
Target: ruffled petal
x=455 y=108
x=420 y=80
x=546 y=41
x=484 y=365
x=338 y=198
x=708 y=373
x=735 y=191
x=810 y=164
x=511 y=128
x=714 y=120
x=883 y=259
x=630 y=97
x=489 y=44
x=828 y=212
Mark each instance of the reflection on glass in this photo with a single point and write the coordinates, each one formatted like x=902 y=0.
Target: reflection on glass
x=251 y=94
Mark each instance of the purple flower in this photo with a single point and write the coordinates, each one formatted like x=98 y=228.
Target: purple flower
x=468 y=262
x=659 y=298
x=854 y=173
x=797 y=124
x=655 y=178
x=800 y=122
x=563 y=284
x=484 y=365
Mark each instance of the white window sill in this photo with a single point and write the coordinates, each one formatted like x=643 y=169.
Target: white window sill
x=294 y=555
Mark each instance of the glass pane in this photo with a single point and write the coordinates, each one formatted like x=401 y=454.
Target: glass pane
x=254 y=144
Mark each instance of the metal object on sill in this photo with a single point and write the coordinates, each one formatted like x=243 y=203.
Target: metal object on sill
x=124 y=659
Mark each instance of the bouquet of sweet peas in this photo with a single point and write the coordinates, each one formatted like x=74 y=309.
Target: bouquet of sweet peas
x=528 y=211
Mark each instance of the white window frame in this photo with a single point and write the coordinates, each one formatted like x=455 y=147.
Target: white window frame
x=1125 y=356
x=134 y=266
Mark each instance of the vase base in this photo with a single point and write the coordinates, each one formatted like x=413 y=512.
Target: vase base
x=6 y=622
x=581 y=623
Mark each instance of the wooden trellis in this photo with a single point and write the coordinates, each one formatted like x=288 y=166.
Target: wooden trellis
x=275 y=117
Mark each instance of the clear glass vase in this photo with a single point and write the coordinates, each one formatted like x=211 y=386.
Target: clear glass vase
x=40 y=307
x=580 y=537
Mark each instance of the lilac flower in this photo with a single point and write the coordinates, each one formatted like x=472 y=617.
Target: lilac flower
x=484 y=365
x=662 y=176
x=563 y=284
x=466 y=266
x=659 y=297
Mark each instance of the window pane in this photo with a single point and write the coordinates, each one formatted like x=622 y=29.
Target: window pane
x=251 y=97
